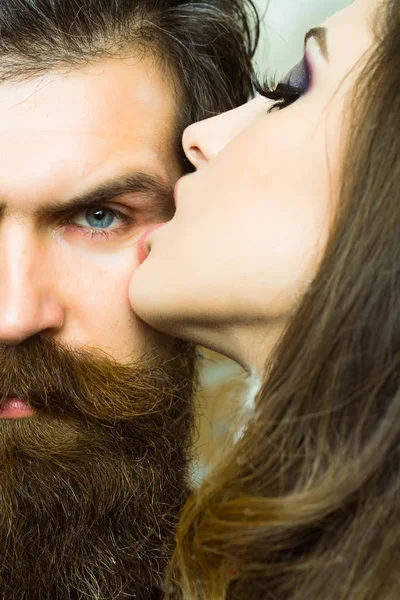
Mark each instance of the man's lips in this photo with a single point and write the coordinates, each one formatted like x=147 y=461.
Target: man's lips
x=15 y=408
x=143 y=248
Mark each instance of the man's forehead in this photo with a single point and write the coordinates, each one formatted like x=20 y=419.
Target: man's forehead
x=94 y=92
x=86 y=124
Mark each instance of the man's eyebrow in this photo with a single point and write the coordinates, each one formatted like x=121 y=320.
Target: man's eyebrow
x=160 y=194
x=320 y=36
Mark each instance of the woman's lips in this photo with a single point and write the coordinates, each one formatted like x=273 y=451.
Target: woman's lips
x=15 y=408
x=143 y=248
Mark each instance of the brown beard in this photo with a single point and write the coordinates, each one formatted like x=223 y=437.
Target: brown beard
x=91 y=486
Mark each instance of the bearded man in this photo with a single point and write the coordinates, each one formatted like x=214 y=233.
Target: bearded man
x=96 y=408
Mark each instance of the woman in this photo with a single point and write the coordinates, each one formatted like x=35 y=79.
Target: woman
x=284 y=254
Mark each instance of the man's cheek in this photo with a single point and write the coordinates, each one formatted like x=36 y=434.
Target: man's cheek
x=95 y=268
x=103 y=283
x=94 y=291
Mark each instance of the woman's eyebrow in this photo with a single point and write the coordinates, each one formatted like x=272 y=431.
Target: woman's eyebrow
x=320 y=36
x=159 y=193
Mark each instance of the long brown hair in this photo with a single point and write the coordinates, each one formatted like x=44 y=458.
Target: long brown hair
x=308 y=503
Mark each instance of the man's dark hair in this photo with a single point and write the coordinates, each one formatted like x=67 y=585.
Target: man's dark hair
x=207 y=44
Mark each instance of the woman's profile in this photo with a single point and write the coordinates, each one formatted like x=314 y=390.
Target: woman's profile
x=284 y=254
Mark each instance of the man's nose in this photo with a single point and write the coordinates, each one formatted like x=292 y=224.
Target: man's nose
x=203 y=141
x=28 y=303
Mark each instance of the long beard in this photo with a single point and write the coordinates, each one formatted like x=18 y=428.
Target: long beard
x=91 y=486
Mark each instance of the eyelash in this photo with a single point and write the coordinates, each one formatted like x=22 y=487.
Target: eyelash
x=294 y=85
x=101 y=233
x=283 y=94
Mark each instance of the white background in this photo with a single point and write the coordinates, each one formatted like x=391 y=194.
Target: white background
x=284 y=26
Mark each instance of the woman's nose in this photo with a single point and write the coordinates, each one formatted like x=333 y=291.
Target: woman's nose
x=203 y=141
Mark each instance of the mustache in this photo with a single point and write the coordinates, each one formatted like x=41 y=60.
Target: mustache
x=64 y=381
x=91 y=486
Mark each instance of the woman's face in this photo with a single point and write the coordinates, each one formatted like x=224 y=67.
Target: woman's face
x=252 y=222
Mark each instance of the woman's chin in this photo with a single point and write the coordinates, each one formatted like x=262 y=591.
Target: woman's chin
x=152 y=299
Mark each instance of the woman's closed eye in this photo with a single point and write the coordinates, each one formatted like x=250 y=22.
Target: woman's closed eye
x=294 y=85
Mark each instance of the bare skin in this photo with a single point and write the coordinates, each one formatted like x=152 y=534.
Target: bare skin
x=252 y=222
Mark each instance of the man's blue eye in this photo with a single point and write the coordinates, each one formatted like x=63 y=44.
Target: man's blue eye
x=100 y=218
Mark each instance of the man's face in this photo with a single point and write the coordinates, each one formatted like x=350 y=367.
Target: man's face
x=93 y=476
x=102 y=134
